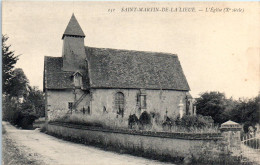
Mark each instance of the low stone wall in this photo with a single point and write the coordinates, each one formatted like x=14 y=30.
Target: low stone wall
x=161 y=144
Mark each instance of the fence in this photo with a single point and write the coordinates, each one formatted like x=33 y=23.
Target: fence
x=250 y=144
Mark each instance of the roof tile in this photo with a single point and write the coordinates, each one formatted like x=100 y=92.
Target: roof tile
x=113 y=68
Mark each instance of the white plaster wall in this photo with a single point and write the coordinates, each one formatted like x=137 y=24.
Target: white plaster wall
x=57 y=102
x=157 y=101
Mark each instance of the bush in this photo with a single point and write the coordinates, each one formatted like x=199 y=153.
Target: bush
x=19 y=114
x=145 y=121
x=44 y=128
x=132 y=121
x=247 y=125
x=198 y=124
x=187 y=123
x=168 y=123
x=145 y=118
x=25 y=121
x=3 y=130
x=10 y=109
x=198 y=121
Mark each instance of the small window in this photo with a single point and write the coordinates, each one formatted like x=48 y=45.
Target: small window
x=77 y=80
x=83 y=110
x=70 y=105
x=88 y=110
x=141 y=99
x=104 y=109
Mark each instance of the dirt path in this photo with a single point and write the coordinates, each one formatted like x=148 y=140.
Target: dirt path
x=12 y=155
x=49 y=150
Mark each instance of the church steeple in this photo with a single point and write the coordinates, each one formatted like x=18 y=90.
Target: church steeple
x=73 y=28
x=73 y=52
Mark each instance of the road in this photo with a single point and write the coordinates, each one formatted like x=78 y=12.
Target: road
x=45 y=149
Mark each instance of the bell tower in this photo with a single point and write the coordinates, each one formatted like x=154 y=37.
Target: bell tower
x=73 y=51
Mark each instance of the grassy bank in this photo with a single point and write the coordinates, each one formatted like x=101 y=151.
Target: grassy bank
x=112 y=122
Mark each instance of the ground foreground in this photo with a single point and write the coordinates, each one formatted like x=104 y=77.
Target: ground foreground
x=33 y=147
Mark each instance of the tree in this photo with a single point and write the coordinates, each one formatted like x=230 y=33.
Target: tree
x=212 y=104
x=10 y=109
x=22 y=104
x=221 y=109
x=247 y=111
x=230 y=105
x=35 y=101
x=15 y=93
x=9 y=59
x=18 y=84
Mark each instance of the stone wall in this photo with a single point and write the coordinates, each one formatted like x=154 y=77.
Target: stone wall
x=206 y=148
x=158 y=101
x=171 y=145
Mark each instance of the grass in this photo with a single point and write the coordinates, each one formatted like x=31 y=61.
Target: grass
x=103 y=121
x=38 y=123
x=43 y=128
x=112 y=122
x=118 y=148
x=211 y=129
x=3 y=130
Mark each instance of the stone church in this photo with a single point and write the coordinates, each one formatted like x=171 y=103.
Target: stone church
x=93 y=80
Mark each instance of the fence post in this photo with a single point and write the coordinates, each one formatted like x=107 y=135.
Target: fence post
x=231 y=132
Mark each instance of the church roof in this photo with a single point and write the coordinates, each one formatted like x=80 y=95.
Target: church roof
x=73 y=28
x=113 y=68
x=56 y=78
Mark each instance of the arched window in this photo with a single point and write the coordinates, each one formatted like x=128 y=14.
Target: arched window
x=119 y=103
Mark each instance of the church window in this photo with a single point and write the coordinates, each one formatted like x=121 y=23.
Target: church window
x=119 y=103
x=77 y=80
x=141 y=99
x=88 y=110
x=70 y=105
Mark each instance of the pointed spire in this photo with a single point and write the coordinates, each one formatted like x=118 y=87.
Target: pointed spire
x=73 y=28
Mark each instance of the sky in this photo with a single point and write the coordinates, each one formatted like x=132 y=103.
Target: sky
x=218 y=51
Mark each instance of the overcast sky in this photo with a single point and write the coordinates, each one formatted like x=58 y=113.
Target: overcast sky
x=217 y=51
